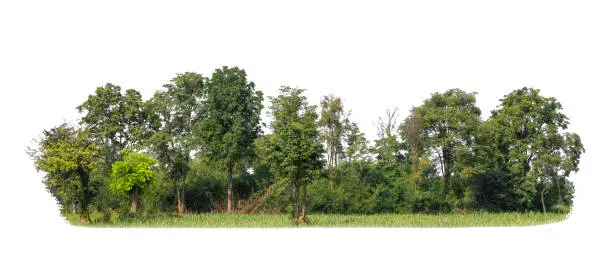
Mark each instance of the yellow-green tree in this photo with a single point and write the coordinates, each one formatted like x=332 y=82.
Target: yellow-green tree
x=132 y=174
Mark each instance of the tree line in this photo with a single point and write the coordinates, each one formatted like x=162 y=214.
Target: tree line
x=198 y=146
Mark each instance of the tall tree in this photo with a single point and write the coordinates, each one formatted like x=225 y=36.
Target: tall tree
x=332 y=125
x=115 y=120
x=174 y=114
x=133 y=174
x=232 y=109
x=387 y=146
x=411 y=133
x=448 y=121
x=356 y=143
x=296 y=151
x=66 y=154
x=526 y=134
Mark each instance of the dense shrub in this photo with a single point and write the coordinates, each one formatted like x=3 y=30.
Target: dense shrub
x=204 y=187
x=324 y=197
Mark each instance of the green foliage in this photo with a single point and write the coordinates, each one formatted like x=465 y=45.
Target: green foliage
x=67 y=155
x=207 y=147
x=387 y=147
x=115 y=120
x=205 y=186
x=232 y=109
x=356 y=143
x=448 y=123
x=134 y=171
x=525 y=141
x=295 y=151
x=324 y=198
x=174 y=114
x=232 y=114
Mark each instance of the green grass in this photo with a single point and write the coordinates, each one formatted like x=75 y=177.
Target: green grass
x=333 y=220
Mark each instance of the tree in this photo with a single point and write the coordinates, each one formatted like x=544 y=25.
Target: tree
x=526 y=142
x=387 y=147
x=174 y=114
x=66 y=154
x=295 y=149
x=232 y=115
x=132 y=174
x=356 y=143
x=115 y=120
x=332 y=125
x=411 y=133
x=448 y=122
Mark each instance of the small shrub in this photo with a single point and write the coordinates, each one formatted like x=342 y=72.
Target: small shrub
x=558 y=208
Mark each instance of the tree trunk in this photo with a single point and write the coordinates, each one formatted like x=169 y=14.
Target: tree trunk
x=415 y=167
x=447 y=171
x=560 y=201
x=542 y=199
x=304 y=202
x=179 y=201
x=134 y=207
x=296 y=201
x=229 y=190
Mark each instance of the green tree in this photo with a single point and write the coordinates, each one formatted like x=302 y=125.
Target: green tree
x=67 y=155
x=356 y=143
x=410 y=131
x=132 y=174
x=448 y=126
x=295 y=150
x=333 y=129
x=174 y=114
x=387 y=146
x=526 y=142
x=232 y=109
x=115 y=120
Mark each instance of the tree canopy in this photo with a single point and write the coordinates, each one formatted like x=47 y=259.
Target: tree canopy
x=197 y=145
x=232 y=109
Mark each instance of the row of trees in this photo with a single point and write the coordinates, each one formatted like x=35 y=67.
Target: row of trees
x=200 y=142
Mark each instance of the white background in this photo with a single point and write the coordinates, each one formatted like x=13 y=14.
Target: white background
x=376 y=55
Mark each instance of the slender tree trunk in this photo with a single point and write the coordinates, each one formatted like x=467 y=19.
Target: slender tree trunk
x=183 y=198
x=296 y=201
x=415 y=167
x=134 y=207
x=229 y=190
x=304 y=202
x=542 y=199
x=446 y=157
x=559 y=192
x=179 y=201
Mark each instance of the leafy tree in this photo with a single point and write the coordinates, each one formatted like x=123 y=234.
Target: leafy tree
x=448 y=125
x=295 y=150
x=232 y=109
x=524 y=134
x=387 y=146
x=357 y=144
x=132 y=174
x=67 y=155
x=174 y=115
x=332 y=126
x=115 y=120
x=411 y=133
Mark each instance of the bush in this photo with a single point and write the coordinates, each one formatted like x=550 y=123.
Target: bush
x=494 y=191
x=563 y=209
x=323 y=197
x=278 y=200
x=204 y=186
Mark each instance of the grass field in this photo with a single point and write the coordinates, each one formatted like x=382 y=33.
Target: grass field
x=331 y=220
